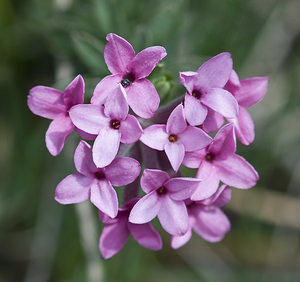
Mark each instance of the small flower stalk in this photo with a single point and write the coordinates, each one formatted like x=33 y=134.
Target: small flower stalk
x=123 y=127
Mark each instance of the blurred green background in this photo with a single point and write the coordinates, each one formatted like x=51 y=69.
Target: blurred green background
x=49 y=42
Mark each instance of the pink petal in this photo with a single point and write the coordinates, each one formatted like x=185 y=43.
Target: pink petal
x=104 y=197
x=106 y=146
x=216 y=71
x=194 y=138
x=60 y=128
x=220 y=198
x=236 y=171
x=46 y=102
x=89 y=118
x=194 y=111
x=143 y=98
x=181 y=188
x=145 y=209
x=118 y=53
x=213 y=121
x=113 y=238
x=153 y=179
x=221 y=101
x=83 y=159
x=175 y=154
x=173 y=216
x=179 y=241
x=176 y=122
x=75 y=188
x=146 y=60
x=74 y=92
x=116 y=106
x=251 y=91
x=194 y=159
x=146 y=235
x=85 y=135
x=188 y=79
x=130 y=129
x=155 y=136
x=104 y=88
x=122 y=171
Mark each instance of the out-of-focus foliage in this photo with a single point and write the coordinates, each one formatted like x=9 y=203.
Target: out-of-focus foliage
x=49 y=42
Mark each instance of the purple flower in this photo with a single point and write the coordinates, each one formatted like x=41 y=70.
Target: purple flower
x=205 y=90
x=96 y=184
x=130 y=70
x=176 y=137
x=55 y=104
x=165 y=199
x=219 y=162
x=247 y=92
x=111 y=123
x=207 y=219
x=116 y=232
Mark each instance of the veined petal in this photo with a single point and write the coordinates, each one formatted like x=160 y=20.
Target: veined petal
x=179 y=241
x=143 y=98
x=146 y=235
x=60 y=128
x=75 y=188
x=145 y=209
x=175 y=154
x=146 y=60
x=106 y=146
x=152 y=179
x=130 y=129
x=155 y=136
x=104 y=197
x=82 y=134
x=236 y=171
x=46 y=102
x=104 y=88
x=74 y=92
x=188 y=79
x=83 y=159
x=181 y=188
x=118 y=53
x=122 y=171
x=213 y=121
x=194 y=159
x=89 y=118
x=220 y=198
x=194 y=111
x=176 y=122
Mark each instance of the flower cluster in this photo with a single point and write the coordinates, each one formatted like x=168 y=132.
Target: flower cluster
x=124 y=109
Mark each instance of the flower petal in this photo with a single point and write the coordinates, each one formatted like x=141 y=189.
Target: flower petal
x=194 y=159
x=46 y=102
x=194 y=111
x=155 y=136
x=146 y=60
x=213 y=121
x=220 y=198
x=188 y=79
x=173 y=216
x=74 y=92
x=89 y=118
x=122 y=171
x=143 y=98
x=118 y=53
x=106 y=146
x=83 y=159
x=146 y=235
x=75 y=188
x=104 y=197
x=236 y=171
x=145 y=209
x=175 y=154
x=176 y=122
x=60 y=128
x=179 y=241
x=181 y=188
x=153 y=179
x=130 y=129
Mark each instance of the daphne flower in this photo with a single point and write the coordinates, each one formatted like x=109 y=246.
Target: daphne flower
x=96 y=184
x=54 y=104
x=131 y=71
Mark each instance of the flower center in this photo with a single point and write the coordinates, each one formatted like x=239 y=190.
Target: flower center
x=209 y=157
x=161 y=190
x=197 y=94
x=99 y=175
x=115 y=124
x=127 y=80
x=173 y=138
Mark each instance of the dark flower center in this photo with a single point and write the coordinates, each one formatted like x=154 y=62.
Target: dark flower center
x=99 y=175
x=161 y=190
x=115 y=124
x=197 y=94
x=127 y=80
x=173 y=138
x=209 y=157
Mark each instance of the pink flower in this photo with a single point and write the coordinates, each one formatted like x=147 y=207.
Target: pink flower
x=96 y=184
x=165 y=199
x=176 y=137
x=116 y=232
x=111 y=123
x=205 y=90
x=207 y=219
x=130 y=70
x=247 y=92
x=219 y=162
x=55 y=104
